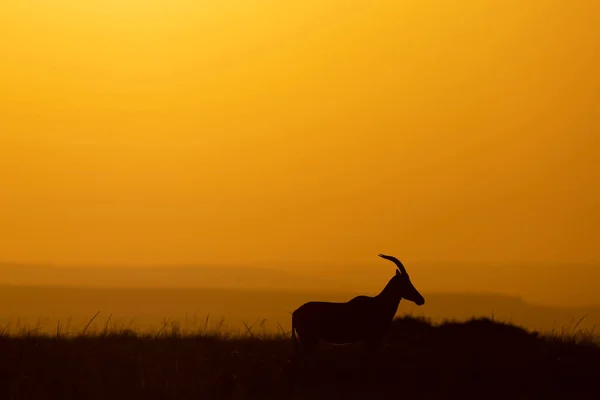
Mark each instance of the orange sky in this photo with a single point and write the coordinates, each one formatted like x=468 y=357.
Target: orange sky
x=147 y=132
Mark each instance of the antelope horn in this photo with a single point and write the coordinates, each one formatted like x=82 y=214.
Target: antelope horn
x=395 y=261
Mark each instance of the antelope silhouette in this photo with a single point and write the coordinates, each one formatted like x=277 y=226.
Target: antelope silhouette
x=363 y=318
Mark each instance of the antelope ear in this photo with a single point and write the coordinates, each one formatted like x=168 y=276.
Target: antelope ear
x=398 y=273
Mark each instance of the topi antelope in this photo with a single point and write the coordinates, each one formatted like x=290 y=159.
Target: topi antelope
x=363 y=318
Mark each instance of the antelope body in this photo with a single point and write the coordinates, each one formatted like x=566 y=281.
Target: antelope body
x=363 y=318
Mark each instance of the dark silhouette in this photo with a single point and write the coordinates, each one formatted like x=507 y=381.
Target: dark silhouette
x=364 y=318
x=478 y=359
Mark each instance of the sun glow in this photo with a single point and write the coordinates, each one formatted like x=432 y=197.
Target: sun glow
x=148 y=132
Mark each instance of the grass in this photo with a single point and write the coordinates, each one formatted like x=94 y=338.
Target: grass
x=480 y=358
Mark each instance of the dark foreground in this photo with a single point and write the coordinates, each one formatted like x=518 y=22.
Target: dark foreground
x=477 y=359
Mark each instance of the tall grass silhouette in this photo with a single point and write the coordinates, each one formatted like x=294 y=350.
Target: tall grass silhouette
x=480 y=358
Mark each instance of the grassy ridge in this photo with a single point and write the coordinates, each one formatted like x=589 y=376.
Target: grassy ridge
x=478 y=358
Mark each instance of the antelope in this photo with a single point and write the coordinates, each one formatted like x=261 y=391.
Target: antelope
x=363 y=318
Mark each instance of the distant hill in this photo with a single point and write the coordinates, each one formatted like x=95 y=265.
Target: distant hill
x=553 y=284
x=44 y=294
x=149 y=308
x=158 y=277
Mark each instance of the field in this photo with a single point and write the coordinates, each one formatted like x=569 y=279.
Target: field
x=479 y=358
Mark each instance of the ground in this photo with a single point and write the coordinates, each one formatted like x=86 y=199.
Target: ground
x=476 y=359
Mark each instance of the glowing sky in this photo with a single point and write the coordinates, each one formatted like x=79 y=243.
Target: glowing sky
x=148 y=132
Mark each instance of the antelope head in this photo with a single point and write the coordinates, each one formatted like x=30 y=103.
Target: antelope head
x=401 y=286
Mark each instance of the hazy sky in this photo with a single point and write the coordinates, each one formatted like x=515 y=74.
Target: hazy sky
x=164 y=131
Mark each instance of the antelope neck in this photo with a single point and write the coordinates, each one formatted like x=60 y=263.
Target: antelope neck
x=388 y=294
